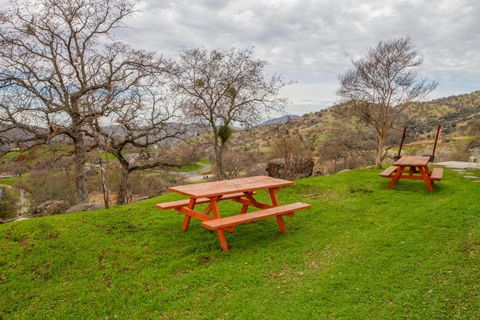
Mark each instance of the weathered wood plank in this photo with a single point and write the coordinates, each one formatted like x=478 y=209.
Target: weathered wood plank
x=254 y=216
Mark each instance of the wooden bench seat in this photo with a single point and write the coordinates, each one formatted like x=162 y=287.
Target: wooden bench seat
x=387 y=173
x=226 y=222
x=184 y=203
x=437 y=174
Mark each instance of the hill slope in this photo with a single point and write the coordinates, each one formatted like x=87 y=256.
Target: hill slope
x=456 y=114
x=361 y=252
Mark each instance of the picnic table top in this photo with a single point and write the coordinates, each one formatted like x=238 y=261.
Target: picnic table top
x=218 y=188
x=415 y=161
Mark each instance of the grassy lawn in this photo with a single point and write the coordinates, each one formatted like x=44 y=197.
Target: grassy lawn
x=10 y=180
x=361 y=252
x=12 y=154
x=193 y=166
x=189 y=167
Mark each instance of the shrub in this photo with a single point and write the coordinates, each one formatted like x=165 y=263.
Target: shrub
x=46 y=185
x=8 y=203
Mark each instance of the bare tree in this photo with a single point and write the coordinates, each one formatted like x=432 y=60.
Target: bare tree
x=382 y=85
x=223 y=89
x=143 y=118
x=60 y=69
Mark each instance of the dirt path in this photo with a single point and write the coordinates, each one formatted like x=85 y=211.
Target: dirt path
x=195 y=176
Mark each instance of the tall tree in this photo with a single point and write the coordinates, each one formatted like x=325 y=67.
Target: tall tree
x=60 y=69
x=223 y=89
x=147 y=116
x=382 y=85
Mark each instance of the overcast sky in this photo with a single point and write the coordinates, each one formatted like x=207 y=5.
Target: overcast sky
x=312 y=42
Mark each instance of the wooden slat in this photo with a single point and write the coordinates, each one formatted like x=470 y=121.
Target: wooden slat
x=211 y=189
x=254 y=216
x=416 y=161
x=388 y=172
x=195 y=214
x=437 y=174
x=183 y=203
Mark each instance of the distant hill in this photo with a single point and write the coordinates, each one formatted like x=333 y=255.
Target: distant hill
x=283 y=119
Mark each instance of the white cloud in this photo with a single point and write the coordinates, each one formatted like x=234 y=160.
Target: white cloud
x=311 y=42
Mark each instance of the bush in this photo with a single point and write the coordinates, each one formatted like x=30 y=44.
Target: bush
x=8 y=203
x=145 y=184
x=46 y=185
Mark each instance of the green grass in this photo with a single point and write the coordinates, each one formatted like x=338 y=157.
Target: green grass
x=108 y=155
x=189 y=167
x=205 y=161
x=194 y=166
x=12 y=154
x=10 y=180
x=361 y=252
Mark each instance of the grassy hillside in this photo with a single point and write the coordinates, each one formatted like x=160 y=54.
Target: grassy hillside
x=456 y=114
x=361 y=252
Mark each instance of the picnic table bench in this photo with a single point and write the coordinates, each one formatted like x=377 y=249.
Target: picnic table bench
x=417 y=170
x=239 y=190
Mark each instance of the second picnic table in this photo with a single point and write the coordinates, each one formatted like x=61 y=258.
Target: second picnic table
x=417 y=170
x=240 y=190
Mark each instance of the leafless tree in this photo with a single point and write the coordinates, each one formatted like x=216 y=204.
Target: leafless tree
x=382 y=85
x=223 y=89
x=60 y=69
x=145 y=117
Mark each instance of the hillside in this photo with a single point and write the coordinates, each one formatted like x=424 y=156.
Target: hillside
x=456 y=114
x=361 y=252
x=279 y=120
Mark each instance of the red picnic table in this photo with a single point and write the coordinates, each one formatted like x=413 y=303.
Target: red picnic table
x=417 y=170
x=240 y=190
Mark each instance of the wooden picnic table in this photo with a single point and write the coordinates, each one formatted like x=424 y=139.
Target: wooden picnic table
x=413 y=168
x=240 y=190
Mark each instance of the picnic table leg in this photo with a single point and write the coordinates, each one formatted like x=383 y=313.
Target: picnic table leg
x=244 y=209
x=245 y=206
x=281 y=224
x=214 y=207
x=216 y=214
x=273 y=197
x=396 y=177
x=426 y=178
x=186 y=220
x=223 y=240
x=208 y=209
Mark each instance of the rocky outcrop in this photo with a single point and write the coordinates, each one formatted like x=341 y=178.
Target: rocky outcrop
x=294 y=169
x=50 y=207
x=85 y=207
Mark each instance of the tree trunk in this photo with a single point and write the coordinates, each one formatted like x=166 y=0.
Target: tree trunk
x=122 y=194
x=380 y=150
x=80 y=176
x=219 y=163
x=104 y=174
x=218 y=148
